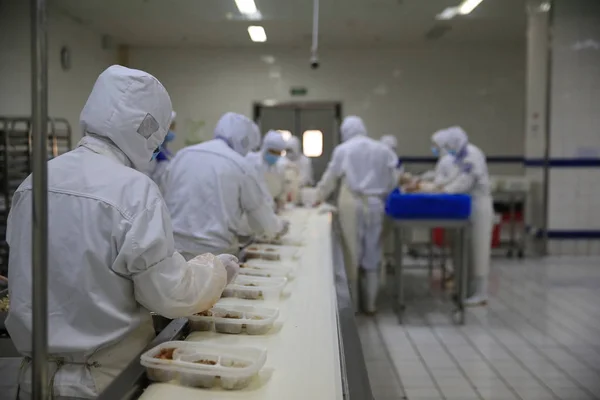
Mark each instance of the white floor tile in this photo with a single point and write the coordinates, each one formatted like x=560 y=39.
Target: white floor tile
x=539 y=338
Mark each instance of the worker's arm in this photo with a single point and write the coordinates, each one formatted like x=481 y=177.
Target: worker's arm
x=330 y=178
x=463 y=180
x=259 y=213
x=163 y=281
x=428 y=176
x=309 y=179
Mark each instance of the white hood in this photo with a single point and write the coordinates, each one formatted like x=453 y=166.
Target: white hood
x=238 y=131
x=390 y=141
x=454 y=138
x=352 y=126
x=273 y=140
x=293 y=148
x=132 y=109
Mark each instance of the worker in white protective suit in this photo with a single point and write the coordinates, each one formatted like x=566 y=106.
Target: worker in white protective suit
x=445 y=168
x=111 y=258
x=212 y=186
x=391 y=142
x=266 y=162
x=297 y=170
x=366 y=169
x=472 y=178
x=160 y=164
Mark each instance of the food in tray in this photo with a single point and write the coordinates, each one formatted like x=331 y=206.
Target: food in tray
x=257 y=317
x=206 y=362
x=205 y=366
x=166 y=353
x=232 y=316
x=4 y=304
x=252 y=248
x=207 y=313
x=250 y=284
x=234 y=364
x=270 y=249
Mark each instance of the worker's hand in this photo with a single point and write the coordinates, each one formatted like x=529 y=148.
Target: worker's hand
x=285 y=229
x=232 y=266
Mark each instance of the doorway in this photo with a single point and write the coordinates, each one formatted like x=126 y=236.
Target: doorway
x=305 y=120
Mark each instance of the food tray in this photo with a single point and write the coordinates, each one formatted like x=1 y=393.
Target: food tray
x=255 y=288
x=229 y=318
x=232 y=367
x=266 y=269
x=271 y=252
x=287 y=240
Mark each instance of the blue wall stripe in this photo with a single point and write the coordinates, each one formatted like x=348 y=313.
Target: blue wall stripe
x=571 y=235
x=532 y=162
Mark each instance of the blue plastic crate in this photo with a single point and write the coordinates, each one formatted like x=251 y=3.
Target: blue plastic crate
x=428 y=206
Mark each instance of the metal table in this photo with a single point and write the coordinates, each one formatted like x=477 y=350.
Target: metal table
x=461 y=244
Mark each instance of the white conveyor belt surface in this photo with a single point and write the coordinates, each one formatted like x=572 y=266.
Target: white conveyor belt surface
x=303 y=360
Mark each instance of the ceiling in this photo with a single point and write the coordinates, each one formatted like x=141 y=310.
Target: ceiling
x=217 y=23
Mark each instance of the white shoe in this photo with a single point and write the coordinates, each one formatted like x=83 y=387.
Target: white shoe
x=476 y=301
x=480 y=298
x=370 y=289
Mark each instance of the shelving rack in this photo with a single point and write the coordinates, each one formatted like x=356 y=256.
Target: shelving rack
x=15 y=163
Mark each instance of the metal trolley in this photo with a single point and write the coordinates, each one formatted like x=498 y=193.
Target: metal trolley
x=460 y=253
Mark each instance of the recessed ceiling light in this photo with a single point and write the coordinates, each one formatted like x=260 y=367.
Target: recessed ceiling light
x=467 y=6
x=257 y=34
x=448 y=13
x=246 y=6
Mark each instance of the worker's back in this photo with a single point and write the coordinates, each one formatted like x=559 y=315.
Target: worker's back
x=203 y=191
x=93 y=200
x=367 y=165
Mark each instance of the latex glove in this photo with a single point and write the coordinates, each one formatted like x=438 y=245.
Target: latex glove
x=327 y=208
x=232 y=266
x=285 y=229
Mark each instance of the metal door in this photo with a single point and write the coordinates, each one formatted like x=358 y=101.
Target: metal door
x=301 y=117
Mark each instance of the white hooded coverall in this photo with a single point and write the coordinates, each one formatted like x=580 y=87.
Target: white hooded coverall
x=297 y=170
x=367 y=169
x=212 y=185
x=111 y=256
x=472 y=178
x=272 y=176
x=445 y=169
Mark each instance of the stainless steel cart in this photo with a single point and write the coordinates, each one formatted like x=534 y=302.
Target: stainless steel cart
x=460 y=252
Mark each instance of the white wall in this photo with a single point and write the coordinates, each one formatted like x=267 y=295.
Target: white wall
x=410 y=92
x=575 y=124
x=67 y=90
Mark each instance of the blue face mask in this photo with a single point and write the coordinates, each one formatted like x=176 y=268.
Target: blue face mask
x=155 y=154
x=452 y=152
x=435 y=151
x=271 y=159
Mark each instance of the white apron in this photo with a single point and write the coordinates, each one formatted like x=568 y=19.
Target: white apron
x=102 y=367
x=361 y=219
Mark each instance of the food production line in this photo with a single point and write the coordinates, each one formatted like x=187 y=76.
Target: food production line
x=287 y=322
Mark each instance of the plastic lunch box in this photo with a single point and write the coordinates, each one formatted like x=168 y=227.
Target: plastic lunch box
x=200 y=365
x=257 y=267
x=287 y=240
x=272 y=252
x=255 y=288
x=230 y=318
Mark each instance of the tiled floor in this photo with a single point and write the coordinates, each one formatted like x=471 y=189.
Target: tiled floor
x=539 y=338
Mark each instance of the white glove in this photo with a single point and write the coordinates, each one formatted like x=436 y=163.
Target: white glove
x=232 y=266
x=285 y=229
